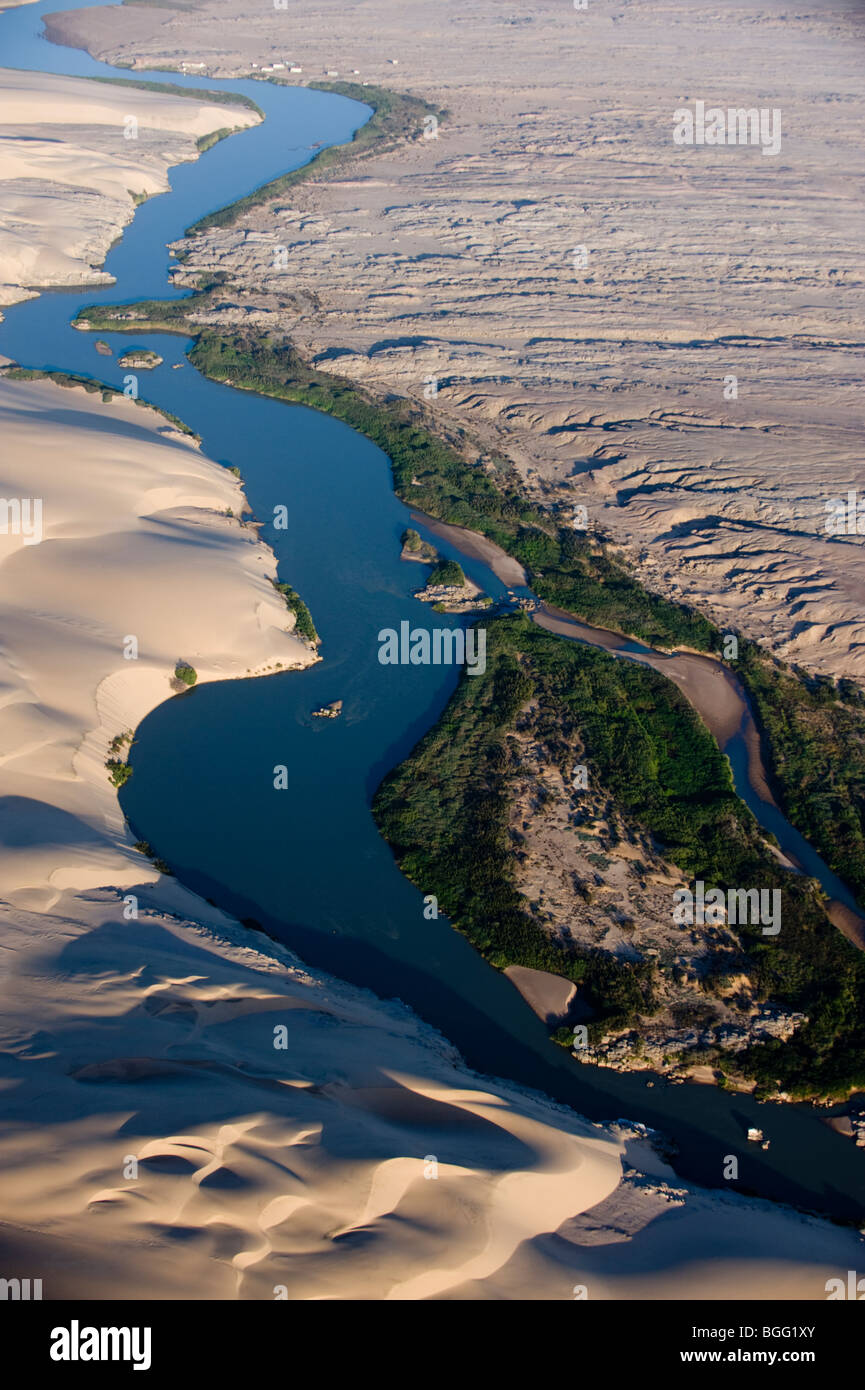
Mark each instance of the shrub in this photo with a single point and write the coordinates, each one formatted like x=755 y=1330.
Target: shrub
x=447 y=572
x=303 y=624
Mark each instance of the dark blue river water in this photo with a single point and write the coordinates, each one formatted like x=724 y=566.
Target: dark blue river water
x=308 y=862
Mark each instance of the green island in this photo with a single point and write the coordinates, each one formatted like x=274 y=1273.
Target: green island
x=445 y=812
x=418 y=549
x=447 y=572
x=139 y=357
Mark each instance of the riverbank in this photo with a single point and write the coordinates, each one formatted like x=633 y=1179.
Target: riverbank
x=395 y=118
x=141 y=561
x=185 y=1186
x=72 y=381
x=615 y=352
x=553 y=850
x=77 y=157
x=129 y=515
x=418 y=246
x=803 y=723
x=138 y=1114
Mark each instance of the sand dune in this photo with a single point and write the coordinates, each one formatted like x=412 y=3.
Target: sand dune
x=163 y=1137
x=181 y=1155
x=189 y=1112
x=74 y=156
x=124 y=500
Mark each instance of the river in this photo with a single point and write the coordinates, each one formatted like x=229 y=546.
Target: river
x=308 y=864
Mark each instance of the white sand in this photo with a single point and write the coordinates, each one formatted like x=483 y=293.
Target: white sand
x=157 y=1144
x=550 y=996
x=149 y=1041
x=134 y=546
x=68 y=170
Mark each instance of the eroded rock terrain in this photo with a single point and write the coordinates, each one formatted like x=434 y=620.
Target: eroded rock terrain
x=580 y=290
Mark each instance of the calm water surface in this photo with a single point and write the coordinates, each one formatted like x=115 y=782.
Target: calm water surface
x=308 y=863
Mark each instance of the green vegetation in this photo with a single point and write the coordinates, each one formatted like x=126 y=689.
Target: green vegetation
x=445 y=813
x=149 y=315
x=444 y=809
x=139 y=357
x=70 y=380
x=174 y=89
x=213 y=137
x=119 y=770
x=422 y=549
x=185 y=673
x=431 y=474
x=66 y=379
x=144 y=848
x=447 y=572
x=565 y=567
x=815 y=733
x=304 y=626
x=800 y=720
x=395 y=117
